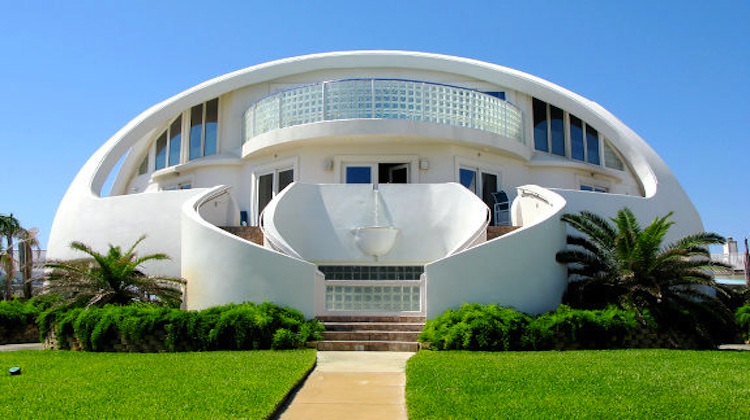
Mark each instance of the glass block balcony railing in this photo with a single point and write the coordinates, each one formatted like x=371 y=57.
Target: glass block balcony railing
x=384 y=99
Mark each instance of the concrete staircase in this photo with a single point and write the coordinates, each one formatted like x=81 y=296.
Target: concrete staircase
x=370 y=333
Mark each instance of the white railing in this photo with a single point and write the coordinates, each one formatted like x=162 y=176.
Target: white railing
x=735 y=260
x=384 y=99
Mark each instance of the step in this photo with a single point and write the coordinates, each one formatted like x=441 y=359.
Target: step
x=374 y=318
x=377 y=326
x=410 y=336
x=366 y=346
x=370 y=333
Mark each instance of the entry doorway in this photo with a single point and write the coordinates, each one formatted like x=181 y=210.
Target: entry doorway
x=484 y=184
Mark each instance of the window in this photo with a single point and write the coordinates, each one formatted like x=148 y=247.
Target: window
x=540 y=126
x=180 y=186
x=143 y=168
x=577 y=150
x=557 y=130
x=578 y=140
x=593 y=188
x=271 y=184
x=175 y=141
x=592 y=145
x=201 y=130
x=204 y=121
x=498 y=95
x=611 y=158
x=359 y=174
x=168 y=152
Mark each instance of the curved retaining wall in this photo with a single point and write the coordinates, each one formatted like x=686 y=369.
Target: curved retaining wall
x=221 y=268
x=518 y=270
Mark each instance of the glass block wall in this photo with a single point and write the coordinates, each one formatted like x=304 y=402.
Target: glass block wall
x=373 y=298
x=384 y=99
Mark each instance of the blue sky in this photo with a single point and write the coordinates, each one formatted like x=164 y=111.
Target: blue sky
x=677 y=72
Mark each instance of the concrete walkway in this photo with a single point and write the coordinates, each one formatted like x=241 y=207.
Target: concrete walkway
x=352 y=385
x=25 y=346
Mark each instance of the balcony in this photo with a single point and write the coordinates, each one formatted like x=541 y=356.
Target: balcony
x=391 y=99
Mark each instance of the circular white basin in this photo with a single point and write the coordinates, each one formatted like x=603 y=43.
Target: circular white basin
x=375 y=240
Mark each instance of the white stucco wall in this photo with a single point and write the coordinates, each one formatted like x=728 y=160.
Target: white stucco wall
x=221 y=268
x=517 y=270
x=120 y=221
x=319 y=221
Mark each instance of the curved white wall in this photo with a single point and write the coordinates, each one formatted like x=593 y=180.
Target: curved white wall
x=318 y=221
x=120 y=221
x=221 y=268
x=517 y=270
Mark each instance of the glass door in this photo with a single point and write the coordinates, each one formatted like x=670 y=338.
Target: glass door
x=483 y=184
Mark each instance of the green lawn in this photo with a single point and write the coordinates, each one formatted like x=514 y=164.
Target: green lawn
x=216 y=385
x=579 y=384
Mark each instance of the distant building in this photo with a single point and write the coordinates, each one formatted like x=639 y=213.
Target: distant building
x=376 y=182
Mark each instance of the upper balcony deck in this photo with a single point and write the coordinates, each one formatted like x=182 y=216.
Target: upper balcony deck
x=393 y=99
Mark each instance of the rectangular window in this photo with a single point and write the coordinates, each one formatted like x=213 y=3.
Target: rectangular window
x=175 y=141
x=358 y=175
x=286 y=177
x=203 y=129
x=576 y=138
x=468 y=178
x=161 y=151
x=196 y=132
x=592 y=145
x=540 y=126
x=557 y=130
x=499 y=95
x=212 y=127
x=593 y=188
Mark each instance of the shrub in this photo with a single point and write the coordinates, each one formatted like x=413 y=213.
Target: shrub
x=494 y=328
x=476 y=327
x=15 y=314
x=592 y=329
x=246 y=326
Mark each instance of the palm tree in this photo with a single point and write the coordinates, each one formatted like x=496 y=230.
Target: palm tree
x=27 y=243
x=111 y=278
x=616 y=262
x=9 y=228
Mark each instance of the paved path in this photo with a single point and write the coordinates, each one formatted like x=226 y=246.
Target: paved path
x=352 y=385
x=25 y=346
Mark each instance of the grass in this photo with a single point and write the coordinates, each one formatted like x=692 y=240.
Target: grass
x=217 y=385
x=579 y=384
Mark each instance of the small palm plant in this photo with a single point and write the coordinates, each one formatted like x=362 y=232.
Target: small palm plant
x=616 y=262
x=111 y=278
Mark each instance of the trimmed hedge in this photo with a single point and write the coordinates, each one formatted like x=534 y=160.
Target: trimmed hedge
x=18 y=318
x=246 y=326
x=477 y=327
x=588 y=329
x=494 y=328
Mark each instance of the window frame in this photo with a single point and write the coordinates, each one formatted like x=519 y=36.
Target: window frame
x=273 y=169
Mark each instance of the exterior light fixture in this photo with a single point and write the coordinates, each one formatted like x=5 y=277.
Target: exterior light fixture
x=424 y=164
